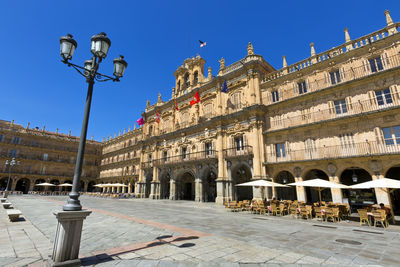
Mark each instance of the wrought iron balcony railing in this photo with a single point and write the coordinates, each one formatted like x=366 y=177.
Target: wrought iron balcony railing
x=239 y=151
x=186 y=157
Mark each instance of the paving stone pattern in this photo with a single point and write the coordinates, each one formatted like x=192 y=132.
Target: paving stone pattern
x=142 y=232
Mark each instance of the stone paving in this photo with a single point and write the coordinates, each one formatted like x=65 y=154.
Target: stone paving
x=142 y=232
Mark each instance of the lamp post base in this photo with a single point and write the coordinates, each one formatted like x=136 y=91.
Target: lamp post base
x=68 y=237
x=5 y=194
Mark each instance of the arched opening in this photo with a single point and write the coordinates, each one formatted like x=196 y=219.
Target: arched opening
x=149 y=178
x=209 y=186
x=186 y=187
x=165 y=186
x=82 y=187
x=242 y=174
x=39 y=188
x=23 y=185
x=285 y=193
x=3 y=183
x=394 y=173
x=195 y=77
x=91 y=187
x=311 y=193
x=357 y=198
x=54 y=188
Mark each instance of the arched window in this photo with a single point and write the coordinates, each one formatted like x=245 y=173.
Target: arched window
x=236 y=101
x=196 y=78
x=150 y=129
x=187 y=82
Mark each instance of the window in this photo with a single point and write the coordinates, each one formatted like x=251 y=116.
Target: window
x=340 y=106
x=302 y=87
x=1 y=138
x=383 y=97
x=195 y=78
x=335 y=77
x=310 y=148
x=275 y=96
x=28 y=169
x=391 y=135
x=236 y=101
x=186 y=79
x=45 y=156
x=208 y=149
x=43 y=170
x=13 y=153
x=149 y=157
x=165 y=155
x=150 y=129
x=375 y=64
x=280 y=150
x=184 y=152
x=239 y=144
x=16 y=140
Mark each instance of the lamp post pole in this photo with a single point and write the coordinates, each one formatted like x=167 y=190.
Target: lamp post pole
x=70 y=219
x=12 y=163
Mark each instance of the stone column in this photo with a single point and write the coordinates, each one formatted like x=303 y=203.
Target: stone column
x=13 y=184
x=382 y=195
x=154 y=184
x=199 y=190
x=300 y=190
x=222 y=176
x=31 y=185
x=85 y=186
x=172 y=189
x=68 y=237
x=258 y=170
x=130 y=188
x=337 y=195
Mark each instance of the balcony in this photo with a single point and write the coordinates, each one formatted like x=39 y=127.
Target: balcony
x=335 y=152
x=354 y=73
x=235 y=152
x=41 y=158
x=188 y=157
x=360 y=107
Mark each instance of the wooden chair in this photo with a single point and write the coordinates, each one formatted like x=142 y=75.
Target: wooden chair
x=318 y=213
x=363 y=216
x=305 y=211
x=293 y=211
x=380 y=216
x=282 y=209
x=332 y=213
x=275 y=209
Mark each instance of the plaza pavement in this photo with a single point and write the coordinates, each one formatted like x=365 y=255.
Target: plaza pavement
x=143 y=232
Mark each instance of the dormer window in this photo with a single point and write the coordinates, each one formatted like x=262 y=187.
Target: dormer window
x=196 y=78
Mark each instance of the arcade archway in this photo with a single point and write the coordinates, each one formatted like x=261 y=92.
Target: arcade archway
x=209 y=186
x=186 y=187
x=91 y=187
x=285 y=193
x=23 y=185
x=394 y=173
x=148 y=180
x=3 y=184
x=312 y=194
x=165 y=182
x=242 y=174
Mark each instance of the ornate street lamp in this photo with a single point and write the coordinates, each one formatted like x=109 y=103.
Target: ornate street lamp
x=11 y=164
x=70 y=220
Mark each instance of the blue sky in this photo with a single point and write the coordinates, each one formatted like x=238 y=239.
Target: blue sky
x=155 y=37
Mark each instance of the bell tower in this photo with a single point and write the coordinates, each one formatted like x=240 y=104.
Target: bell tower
x=189 y=75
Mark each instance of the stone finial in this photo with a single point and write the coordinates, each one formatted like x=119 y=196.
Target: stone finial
x=148 y=104
x=159 y=98
x=27 y=127
x=56 y=130
x=389 y=20
x=129 y=129
x=119 y=134
x=44 y=128
x=115 y=135
x=250 y=49
x=12 y=122
x=347 y=35
x=209 y=73
x=284 y=61
x=222 y=64
x=312 y=49
x=69 y=133
x=134 y=127
x=104 y=139
x=124 y=131
x=92 y=138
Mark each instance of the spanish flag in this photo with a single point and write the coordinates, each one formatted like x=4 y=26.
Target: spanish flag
x=196 y=99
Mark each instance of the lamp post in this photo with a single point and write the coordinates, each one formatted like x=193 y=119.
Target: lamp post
x=11 y=164
x=70 y=220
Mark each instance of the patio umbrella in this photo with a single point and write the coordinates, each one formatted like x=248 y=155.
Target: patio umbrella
x=319 y=184
x=66 y=184
x=45 y=184
x=99 y=185
x=262 y=183
x=120 y=185
x=378 y=183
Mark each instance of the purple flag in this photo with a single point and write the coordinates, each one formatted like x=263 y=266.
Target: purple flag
x=140 y=121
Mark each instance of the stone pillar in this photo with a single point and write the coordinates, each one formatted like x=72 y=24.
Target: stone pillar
x=198 y=190
x=300 y=190
x=172 y=189
x=254 y=87
x=13 y=183
x=221 y=195
x=155 y=190
x=313 y=54
x=85 y=186
x=389 y=23
x=337 y=195
x=382 y=195
x=68 y=237
x=257 y=193
x=31 y=185
x=130 y=188
x=257 y=144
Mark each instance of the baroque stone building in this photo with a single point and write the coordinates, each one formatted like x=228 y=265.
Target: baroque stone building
x=334 y=115
x=44 y=157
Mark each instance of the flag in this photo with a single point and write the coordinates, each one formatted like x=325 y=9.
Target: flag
x=224 y=88
x=202 y=44
x=140 y=121
x=176 y=105
x=157 y=117
x=196 y=99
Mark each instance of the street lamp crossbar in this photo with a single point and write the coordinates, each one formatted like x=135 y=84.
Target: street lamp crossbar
x=97 y=75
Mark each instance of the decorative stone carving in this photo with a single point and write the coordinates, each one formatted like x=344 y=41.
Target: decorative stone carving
x=159 y=98
x=297 y=171
x=209 y=73
x=206 y=132
x=376 y=166
x=250 y=50
x=331 y=169
x=222 y=64
x=148 y=104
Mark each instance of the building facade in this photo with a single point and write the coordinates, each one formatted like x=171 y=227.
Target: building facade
x=44 y=156
x=334 y=116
